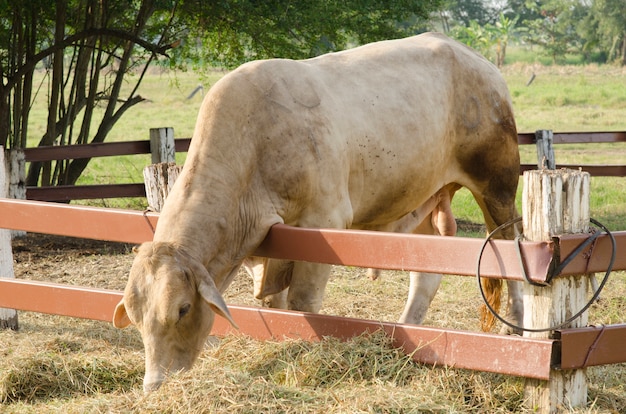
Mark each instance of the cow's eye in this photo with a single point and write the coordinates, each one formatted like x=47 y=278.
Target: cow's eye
x=184 y=310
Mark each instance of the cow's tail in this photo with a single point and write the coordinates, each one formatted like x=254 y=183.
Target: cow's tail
x=492 y=289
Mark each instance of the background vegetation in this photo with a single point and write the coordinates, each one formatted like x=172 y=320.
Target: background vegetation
x=95 y=54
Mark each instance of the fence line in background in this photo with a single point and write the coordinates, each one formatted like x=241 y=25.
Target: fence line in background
x=107 y=149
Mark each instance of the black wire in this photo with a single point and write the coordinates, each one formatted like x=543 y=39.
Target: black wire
x=555 y=273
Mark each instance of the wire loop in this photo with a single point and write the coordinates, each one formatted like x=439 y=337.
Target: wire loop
x=551 y=274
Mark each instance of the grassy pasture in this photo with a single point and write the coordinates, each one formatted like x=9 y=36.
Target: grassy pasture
x=56 y=364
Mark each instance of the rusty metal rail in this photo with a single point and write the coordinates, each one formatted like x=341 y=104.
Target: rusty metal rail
x=440 y=347
x=454 y=255
x=449 y=255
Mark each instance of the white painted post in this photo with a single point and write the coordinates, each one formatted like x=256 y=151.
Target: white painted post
x=16 y=171
x=8 y=317
x=162 y=145
x=555 y=202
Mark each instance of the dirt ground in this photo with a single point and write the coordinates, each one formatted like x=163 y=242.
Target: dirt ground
x=70 y=260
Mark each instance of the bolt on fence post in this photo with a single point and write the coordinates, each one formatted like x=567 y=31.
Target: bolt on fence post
x=555 y=202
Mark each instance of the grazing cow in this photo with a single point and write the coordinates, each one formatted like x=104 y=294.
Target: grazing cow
x=354 y=139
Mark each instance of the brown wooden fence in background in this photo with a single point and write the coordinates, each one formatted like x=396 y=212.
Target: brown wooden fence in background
x=101 y=191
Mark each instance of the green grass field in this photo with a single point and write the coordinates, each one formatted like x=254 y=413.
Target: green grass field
x=56 y=364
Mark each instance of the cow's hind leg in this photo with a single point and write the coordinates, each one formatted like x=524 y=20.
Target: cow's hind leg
x=422 y=290
x=424 y=286
x=498 y=206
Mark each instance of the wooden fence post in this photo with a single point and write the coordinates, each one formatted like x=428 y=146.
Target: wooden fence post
x=162 y=145
x=544 y=139
x=555 y=202
x=160 y=176
x=159 y=179
x=16 y=173
x=8 y=317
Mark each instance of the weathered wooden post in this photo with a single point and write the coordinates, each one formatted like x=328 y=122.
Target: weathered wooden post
x=555 y=202
x=8 y=317
x=545 y=152
x=159 y=179
x=162 y=145
x=161 y=175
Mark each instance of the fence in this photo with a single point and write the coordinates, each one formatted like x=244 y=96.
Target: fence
x=164 y=138
x=569 y=349
x=535 y=358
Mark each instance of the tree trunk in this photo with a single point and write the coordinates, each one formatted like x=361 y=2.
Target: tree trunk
x=111 y=116
x=624 y=49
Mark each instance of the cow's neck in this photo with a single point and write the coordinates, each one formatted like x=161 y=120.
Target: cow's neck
x=216 y=221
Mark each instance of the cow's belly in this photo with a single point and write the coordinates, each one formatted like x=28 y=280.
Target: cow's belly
x=378 y=211
x=398 y=186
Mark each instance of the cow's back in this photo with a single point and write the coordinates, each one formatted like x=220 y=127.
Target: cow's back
x=368 y=134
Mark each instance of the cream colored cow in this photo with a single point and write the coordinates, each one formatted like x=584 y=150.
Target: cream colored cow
x=354 y=139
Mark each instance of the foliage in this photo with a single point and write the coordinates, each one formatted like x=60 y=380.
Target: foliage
x=90 y=49
x=491 y=40
x=595 y=31
x=592 y=29
x=227 y=34
x=605 y=29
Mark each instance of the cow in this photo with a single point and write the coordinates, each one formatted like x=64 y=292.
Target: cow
x=353 y=139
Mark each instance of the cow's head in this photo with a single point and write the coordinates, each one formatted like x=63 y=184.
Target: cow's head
x=172 y=300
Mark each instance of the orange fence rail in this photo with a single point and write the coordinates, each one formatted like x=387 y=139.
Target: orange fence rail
x=532 y=358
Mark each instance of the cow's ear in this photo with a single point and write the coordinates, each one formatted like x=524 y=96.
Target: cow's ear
x=208 y=290
x=212 y=296
x=120 y=317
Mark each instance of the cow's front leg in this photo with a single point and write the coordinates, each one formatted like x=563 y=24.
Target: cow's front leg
x=308 y=283
x=422 y=290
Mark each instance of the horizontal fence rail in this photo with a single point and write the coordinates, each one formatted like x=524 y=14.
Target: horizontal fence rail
x=106 y=149
x=531 y=358
x=397 y=251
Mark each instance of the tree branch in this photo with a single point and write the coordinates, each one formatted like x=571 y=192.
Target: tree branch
x=30 y=64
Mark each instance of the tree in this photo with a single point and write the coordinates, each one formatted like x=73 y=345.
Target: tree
x=85 y=59
x=87 y=49
x=605 y=29
x=556 y=30
x=491 y=40
x=463 y=12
